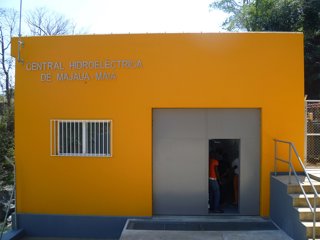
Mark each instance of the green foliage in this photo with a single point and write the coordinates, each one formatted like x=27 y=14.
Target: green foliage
x=262 y=15
x=6 y=145
x=311 y=27
x=281 y=16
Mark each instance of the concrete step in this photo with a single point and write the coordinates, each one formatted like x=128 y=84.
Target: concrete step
x=309 y=228
x=299 y=200
x=314 y=174
x=306 y=215
x=295 y=188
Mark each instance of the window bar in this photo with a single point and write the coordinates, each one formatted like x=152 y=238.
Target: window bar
x=84 y=140
x=78 y=139
x=107 y=153
x=58 y=137
x=81 y=137
x=103 y=138
x=75 y=151
x=65 y=138
x=92 y=138
x=69 y=137
x=51 y=150
x=89 y=138
x=53 y=124
x=95 y=138
x=74 y=138
x=62 y=131
x=99 y=136
x=55 y=138
x=79 y=146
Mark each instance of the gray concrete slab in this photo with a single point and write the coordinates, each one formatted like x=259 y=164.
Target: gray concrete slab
x=203 y=235
x=130 y=234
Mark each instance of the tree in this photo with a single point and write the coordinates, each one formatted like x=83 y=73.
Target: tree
x=8 y=28
x=42 y=21
x=8 y=22
x=281 y=15
x=6 y=147
x=261 y=15
x=311 y=27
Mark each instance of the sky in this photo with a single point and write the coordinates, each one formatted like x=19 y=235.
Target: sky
x=131 y=16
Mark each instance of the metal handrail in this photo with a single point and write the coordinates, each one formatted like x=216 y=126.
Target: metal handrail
x=292 y=170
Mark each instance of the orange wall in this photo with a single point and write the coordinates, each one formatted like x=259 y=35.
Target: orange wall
x=246 y=70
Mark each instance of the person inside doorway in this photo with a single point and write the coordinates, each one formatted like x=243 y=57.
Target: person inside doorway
x=214 y=188
x=236 y=169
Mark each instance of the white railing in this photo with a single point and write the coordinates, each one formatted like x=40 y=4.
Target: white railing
x=292 y=148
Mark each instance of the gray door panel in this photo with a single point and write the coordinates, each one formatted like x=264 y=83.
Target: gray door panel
x=178 y=167
x=180 y=157
x=243 y=124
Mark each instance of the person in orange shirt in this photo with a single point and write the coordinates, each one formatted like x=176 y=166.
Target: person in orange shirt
x=214 y=188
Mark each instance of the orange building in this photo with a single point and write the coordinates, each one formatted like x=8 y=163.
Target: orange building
x=110 y=127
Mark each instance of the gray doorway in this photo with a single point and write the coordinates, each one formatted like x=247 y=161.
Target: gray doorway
x=180 y=157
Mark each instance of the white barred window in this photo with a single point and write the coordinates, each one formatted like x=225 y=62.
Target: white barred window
x=80 y=138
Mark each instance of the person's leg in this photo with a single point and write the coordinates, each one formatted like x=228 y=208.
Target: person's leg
x=211 y=197
x=216 y=195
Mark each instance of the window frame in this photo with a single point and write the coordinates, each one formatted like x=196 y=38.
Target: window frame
x=82 y=138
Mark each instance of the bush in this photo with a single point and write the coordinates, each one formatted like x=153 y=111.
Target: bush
x=6 y=146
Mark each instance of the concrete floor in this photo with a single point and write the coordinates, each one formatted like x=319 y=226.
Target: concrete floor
x=189 y=235
x=129 y=234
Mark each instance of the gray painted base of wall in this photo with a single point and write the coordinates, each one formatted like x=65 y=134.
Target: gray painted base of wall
x=13 y=235
x=38 y=225
x=282 y=212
